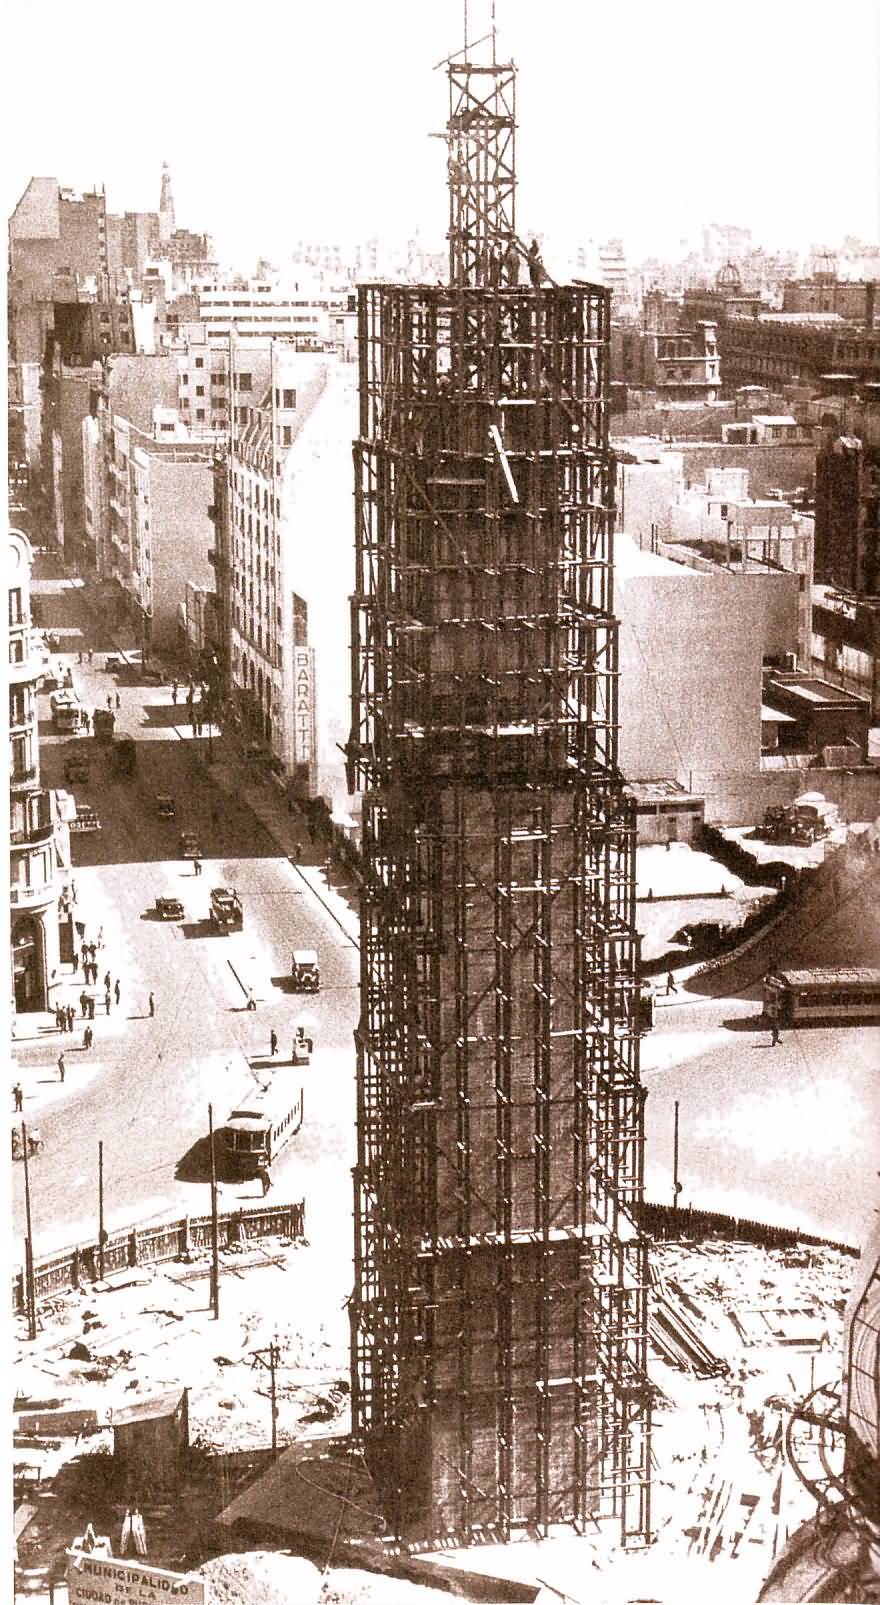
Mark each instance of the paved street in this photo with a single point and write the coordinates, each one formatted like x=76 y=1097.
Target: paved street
x=145 y=1086
x=785 y=1134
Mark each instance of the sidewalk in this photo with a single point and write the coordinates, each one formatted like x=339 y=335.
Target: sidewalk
x=38 y=1040
x=334 y=887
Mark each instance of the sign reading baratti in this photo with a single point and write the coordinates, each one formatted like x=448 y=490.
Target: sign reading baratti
x=96 y=1580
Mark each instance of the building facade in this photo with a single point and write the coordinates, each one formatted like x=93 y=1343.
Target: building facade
x=271 y=666
x=41 y=930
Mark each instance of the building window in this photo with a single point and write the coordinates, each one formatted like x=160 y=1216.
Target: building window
x=200 y=362
x=15 y=609
x=290 y=398
x=200 y=415
x=200 y=390
x=244 y=381
x=184 y=378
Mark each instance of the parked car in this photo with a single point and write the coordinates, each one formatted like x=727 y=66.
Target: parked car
x=113 y=663
x=169 y=908
x=189 y=844
x=165 y=806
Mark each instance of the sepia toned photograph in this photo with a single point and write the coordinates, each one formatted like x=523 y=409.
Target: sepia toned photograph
x=443 y=571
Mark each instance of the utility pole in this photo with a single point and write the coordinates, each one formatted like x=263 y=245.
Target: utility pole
x=676 y=1184
x=101 y=1233
x=30 y=1290
x=215 y=1255
x=274 y=1354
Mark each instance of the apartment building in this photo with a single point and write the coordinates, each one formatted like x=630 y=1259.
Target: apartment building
x=271 y=663
x=41 y=927
x=260 y=309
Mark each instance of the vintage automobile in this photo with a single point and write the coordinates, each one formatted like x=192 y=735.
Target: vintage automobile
x=304 y=970
x=165 y=806
x=226 y=911
x=169 y=908
x=189 y=844
x=113 y=663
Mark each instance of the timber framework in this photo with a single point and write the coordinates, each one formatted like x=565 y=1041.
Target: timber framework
x=499 y=1317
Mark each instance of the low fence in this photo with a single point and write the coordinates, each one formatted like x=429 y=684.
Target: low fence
x=667 y=1222
x=151 y=1245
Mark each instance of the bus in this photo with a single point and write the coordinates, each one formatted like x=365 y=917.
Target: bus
x=68 y=716
x=797 y=997
x=263 y=1121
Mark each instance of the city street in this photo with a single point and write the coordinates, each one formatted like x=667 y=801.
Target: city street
x=145 y=1086
x=784 y=1134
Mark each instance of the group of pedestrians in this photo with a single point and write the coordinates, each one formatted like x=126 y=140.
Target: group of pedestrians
x=65 y=1014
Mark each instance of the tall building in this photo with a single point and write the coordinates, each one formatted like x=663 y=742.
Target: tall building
x=499 y=1312
x=848 y=514
x=41 y=929
x=271 y=663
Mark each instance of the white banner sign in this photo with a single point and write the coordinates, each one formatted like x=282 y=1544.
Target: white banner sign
x=94 y=1580
x=303 y=703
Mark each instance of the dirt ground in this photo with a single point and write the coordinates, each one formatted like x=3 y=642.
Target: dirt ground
x=771 y=1320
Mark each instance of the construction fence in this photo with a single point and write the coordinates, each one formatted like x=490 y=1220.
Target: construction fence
x=152 y=1245
x=667 y=1223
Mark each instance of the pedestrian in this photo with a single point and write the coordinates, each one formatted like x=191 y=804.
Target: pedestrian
x=151 y=1004
x=298 y=850
x=107 y=1001
x=670 y=983
x=107 y=982
x=251 y=1001
x=61 y=1066
x=79 y=657
x=273 y=1043
x=18 y=1096
x=265 y=1178
x=88 y=1037
x=197 y=866
x=71 y=1016
x=117 y=989
x=109 y=702
x=535 y=265
x=91 y=1008
x=174 y=693
x=775 y=1038
x=73 y=891
x=510 y=262
x=83 y=1002
x=59 y=1017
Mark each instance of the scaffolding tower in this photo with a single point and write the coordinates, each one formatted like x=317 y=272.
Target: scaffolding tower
x=499 y=1314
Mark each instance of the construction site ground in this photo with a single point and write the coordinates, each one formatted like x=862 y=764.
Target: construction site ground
x=767 y=1323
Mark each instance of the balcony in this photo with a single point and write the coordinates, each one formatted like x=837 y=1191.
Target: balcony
x=31 y=896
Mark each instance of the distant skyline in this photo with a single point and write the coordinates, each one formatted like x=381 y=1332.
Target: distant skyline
x=292 y=119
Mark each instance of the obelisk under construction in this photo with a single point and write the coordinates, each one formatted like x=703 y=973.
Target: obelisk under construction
x=499 y=1312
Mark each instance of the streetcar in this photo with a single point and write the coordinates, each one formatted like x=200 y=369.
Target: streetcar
x=263 y=1122
x=67 y=715
x=847 y=993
